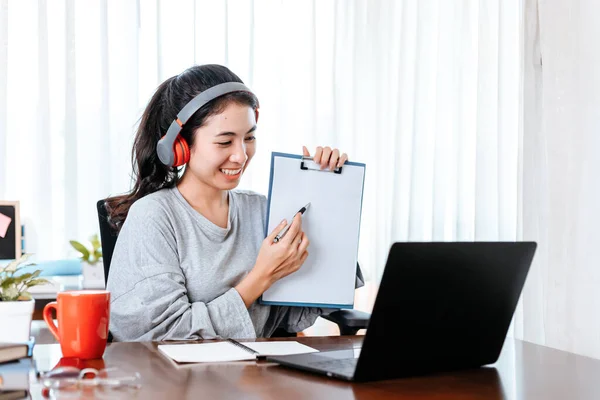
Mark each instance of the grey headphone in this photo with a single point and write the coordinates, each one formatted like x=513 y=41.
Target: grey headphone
x=179 y=155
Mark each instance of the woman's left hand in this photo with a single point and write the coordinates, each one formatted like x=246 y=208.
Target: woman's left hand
x=327 y=157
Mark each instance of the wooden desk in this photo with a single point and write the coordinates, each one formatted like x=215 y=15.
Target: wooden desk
x=524 y=371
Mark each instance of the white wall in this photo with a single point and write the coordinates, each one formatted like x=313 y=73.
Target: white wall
x=561 y=168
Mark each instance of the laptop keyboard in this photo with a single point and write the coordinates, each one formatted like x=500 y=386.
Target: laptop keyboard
x=343 y=366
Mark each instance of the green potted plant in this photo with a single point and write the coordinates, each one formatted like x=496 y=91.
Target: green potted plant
x=90 y=255
x=16 y=304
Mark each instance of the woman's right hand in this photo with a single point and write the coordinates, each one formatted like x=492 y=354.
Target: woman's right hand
x=275 y=260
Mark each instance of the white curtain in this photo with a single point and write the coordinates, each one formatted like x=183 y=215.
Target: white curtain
x=561 y=195
x=426 y=93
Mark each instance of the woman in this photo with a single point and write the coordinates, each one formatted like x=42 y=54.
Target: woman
x=190 y=261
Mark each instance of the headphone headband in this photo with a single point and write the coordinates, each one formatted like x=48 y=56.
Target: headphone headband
x=164 y=147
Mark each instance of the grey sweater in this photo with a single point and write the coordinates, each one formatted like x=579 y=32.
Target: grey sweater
x=173 y=273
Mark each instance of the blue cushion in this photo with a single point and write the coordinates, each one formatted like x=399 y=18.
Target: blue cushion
x=70 y=266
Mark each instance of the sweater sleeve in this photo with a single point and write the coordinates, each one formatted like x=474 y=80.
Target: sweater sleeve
x=297 y=319
x=149 y=298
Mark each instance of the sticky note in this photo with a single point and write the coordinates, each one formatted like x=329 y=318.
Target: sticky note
x=4 y=224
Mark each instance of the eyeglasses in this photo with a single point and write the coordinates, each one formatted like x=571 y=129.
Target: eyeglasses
x=71 y=382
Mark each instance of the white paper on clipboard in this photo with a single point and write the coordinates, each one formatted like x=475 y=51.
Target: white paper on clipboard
x=332 y=224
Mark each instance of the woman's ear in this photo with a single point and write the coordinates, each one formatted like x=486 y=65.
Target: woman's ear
x=256 y=112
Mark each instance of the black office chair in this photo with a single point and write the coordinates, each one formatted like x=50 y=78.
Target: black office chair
x=349 y=321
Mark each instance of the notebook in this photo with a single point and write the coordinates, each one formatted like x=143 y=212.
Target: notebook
x=12 y=351
x=231 y=350
x=332 y=224
x=14 y=376
x=14 y=394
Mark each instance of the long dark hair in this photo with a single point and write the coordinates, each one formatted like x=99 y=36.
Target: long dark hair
x=170 y=97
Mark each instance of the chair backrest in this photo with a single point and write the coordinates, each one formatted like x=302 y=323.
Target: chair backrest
x=108 y=237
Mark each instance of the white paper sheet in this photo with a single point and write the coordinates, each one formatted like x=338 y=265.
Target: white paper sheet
x=227 y=351
x=332 y=224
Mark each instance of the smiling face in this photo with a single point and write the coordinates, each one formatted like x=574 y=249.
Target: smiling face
x=223 y=147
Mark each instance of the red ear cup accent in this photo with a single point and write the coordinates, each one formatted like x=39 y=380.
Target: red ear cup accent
x=181 y=151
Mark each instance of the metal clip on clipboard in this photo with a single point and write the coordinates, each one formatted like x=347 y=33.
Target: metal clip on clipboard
x=308 y=158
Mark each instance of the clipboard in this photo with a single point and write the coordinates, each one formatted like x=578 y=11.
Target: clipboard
x=332 y=224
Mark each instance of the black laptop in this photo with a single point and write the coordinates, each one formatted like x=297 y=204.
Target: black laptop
x=440 y=307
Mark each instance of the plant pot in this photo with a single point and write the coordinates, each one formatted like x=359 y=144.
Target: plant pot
x=15 y=321
x=93 y=275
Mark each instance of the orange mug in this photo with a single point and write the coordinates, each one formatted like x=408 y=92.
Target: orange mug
x=83 y=317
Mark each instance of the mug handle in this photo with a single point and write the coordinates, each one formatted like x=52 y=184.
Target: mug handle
x=48 y=318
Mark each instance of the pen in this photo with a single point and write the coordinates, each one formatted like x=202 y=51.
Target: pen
x=284 y=230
